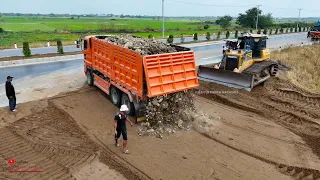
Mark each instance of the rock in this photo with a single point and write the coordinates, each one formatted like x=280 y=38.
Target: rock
x=147 y=124
x=160 y=99
x=159 y=136
x=150 y=130
x=165 y=105
x=180 y=122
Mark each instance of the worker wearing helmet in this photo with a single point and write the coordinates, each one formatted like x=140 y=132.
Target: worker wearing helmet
x=121 y=128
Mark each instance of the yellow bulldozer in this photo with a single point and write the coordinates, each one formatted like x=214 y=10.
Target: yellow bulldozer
x=245 y=66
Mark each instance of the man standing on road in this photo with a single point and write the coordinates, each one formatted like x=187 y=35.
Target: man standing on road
x=120 y=127
x=11 y=94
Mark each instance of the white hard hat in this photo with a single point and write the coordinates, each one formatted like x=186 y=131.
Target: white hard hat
x=124 y=108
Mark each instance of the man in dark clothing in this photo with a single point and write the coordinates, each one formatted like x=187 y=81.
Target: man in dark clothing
x=11 y=94
x=120 y=127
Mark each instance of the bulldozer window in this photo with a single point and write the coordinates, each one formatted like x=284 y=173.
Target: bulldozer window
x=264 y=43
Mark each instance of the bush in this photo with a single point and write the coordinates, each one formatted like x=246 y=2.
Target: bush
x=219 y=34
x=2 y=30
x=296 y=29
x=236 y=34
x=208 y=36
x=227 y=34
x=150 y=36
x=181 y=38
x=291 y=29
x=195 y=37
x=265 y=31
x=276 y=31
x=206 y=26
x=250 y=30
x=300 y=29
x=170 y=39
x=270 y=31
x=281 y=30
x=259 y=31
x=287 y=30
x=60 y=47
x=26 y=49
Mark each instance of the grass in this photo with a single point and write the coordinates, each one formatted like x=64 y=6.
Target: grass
x=305 y=63
x=36 y=38
x=27 y=24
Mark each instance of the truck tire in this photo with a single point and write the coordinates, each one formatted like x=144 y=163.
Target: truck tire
x=125 y=100
x=115 y=96
x=90 y=78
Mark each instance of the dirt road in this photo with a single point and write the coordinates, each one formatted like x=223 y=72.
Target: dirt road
x=236 y=135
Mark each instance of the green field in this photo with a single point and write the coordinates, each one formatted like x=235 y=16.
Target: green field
x=27 y=24
x=38 y=30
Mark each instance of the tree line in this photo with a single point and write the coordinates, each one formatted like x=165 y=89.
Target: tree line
x=248 y=20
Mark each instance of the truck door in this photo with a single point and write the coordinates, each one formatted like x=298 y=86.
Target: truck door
x=87 y=52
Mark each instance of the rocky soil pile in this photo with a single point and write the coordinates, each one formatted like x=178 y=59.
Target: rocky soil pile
x=168 y=114
x=142 y=45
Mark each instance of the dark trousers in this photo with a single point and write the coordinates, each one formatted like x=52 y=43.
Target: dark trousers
x=12 y=103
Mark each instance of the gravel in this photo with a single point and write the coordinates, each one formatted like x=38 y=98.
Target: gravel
x=166 y=115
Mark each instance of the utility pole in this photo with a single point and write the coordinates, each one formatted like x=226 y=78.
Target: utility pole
x=162 y=18
x=257 y=17
x=298 y=18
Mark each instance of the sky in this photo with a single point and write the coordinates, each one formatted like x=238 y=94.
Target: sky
x=278 y=8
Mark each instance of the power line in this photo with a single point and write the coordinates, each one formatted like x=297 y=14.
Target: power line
x=235 y=6
x=200 y=4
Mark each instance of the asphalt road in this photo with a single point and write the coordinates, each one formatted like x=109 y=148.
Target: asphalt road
x=34 y=70
x=278 y=39
x=44 y=50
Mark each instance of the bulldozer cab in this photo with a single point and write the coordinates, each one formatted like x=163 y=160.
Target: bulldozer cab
x=253 y=43
x=249 y=47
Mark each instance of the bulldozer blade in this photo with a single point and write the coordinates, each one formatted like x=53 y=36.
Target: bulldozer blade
x=227 y=78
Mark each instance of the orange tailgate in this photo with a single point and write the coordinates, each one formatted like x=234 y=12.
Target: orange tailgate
x=169 y=73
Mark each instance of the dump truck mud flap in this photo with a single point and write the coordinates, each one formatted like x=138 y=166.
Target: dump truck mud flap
x=227 y=78
x=140 y=111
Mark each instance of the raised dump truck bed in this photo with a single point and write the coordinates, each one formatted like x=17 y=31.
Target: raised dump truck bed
x=130 y=78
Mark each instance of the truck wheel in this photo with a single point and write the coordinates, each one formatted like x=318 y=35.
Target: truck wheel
x=125 y=100
x=115 y=96
x=90 y=78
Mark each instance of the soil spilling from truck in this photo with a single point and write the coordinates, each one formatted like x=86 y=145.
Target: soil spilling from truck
x=168 y=114
x=142 y=45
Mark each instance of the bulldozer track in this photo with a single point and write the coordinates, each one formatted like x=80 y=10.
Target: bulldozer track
x=301 y=107
x=22 y=150
x=298 y=173
x=255 y=132
x=286 y=105
x=109 y=152
x=295 y=95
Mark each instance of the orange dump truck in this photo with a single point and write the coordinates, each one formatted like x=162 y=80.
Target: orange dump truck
x=131 y=79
